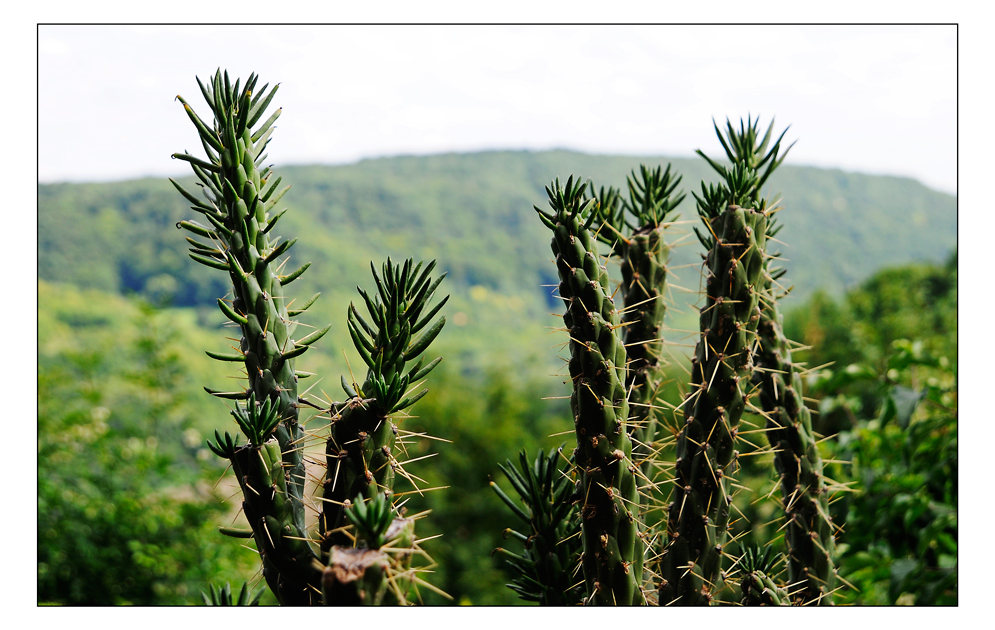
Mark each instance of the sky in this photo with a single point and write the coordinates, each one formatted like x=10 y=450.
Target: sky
x=875 y=99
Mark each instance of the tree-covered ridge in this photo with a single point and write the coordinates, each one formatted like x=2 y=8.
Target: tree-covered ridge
x=471 y=212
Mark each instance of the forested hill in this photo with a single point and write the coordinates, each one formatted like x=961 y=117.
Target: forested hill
x=472 y=212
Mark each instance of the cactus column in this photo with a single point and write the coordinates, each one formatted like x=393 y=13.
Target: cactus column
x=720 y=369
x=809 y=534
x=612 y=549
x=638 y=240
x=238 y=200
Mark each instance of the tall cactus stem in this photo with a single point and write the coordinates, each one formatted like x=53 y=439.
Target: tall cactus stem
x=612 y=547
x=809 y=533
x=242 y=245
x=636 y=234
x=359 y=453
x=720 y=369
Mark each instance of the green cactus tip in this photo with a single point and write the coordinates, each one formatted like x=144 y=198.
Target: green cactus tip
x=223 y=596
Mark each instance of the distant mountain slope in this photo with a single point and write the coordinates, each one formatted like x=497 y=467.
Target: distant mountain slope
x=473 y=212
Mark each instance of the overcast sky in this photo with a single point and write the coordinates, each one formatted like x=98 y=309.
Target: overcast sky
x=876 y=99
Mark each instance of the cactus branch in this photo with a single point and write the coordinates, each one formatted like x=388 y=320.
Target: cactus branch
x=612 y=547
x=720 y=370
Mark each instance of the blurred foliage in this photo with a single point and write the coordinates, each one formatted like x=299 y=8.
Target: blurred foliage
x=900 y=545
x=125 y=512
x=891 y=398
x=855 y=335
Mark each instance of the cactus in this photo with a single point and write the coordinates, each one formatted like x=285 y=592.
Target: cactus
x=612 y=548
x=584 y=512
x=741 y=351
x=544 y=573
x=238 y=203
x=359 y=453
x=720 y=369
x=361 y=575
x=758 y=587
x=223 y=597
x=349 y=565
x=638 y=241
x=809 y=533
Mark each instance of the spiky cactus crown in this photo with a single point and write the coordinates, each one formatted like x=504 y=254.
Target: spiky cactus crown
x=223 y=596
x=757 y=584
x=398 y=313
x=543 y=572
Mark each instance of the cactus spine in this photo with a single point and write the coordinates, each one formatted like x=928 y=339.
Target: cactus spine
x=612 y=548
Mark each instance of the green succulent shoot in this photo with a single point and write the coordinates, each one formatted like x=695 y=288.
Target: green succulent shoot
x=759 y=568
x=392 y=338
x=223 y=596
x=543 y=573
x=256 y=420
x=372 y=519
x=398 y=312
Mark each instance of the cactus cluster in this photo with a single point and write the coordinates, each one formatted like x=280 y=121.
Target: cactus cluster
x=741 y=364
x=344 y=559
x=588 y=537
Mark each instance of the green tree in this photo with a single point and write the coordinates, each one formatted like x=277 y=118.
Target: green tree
x=119 y=521
x=890 y=396
x=901 y=519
